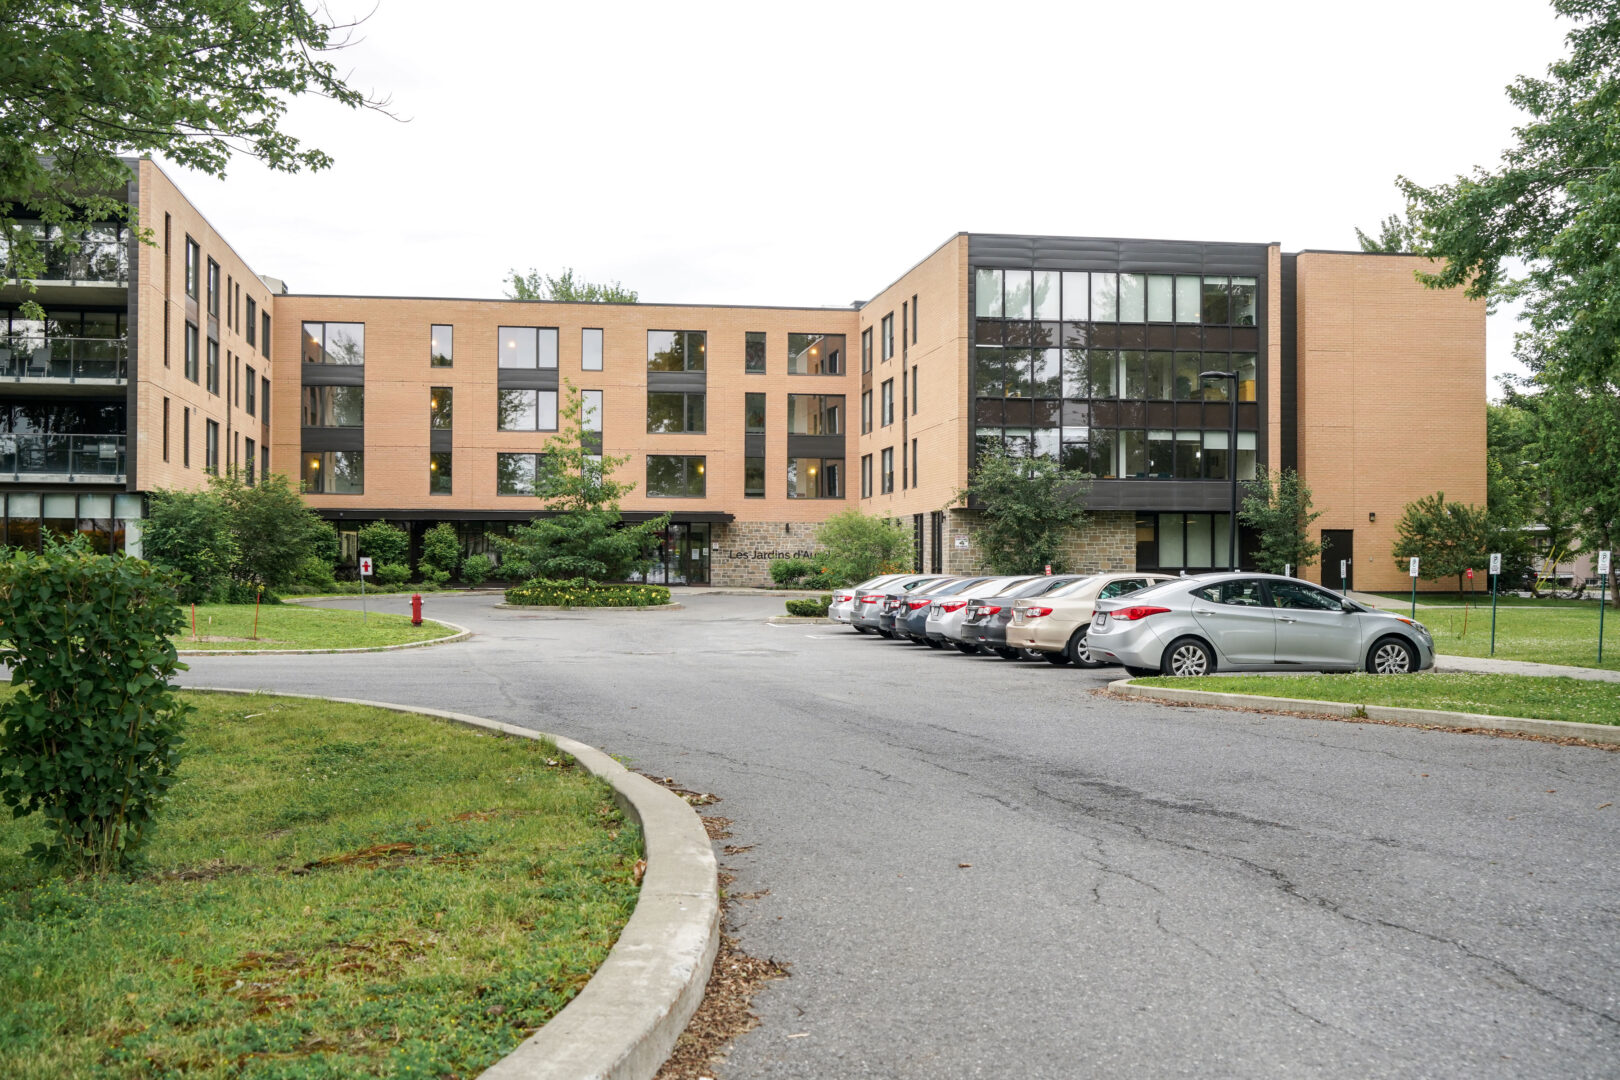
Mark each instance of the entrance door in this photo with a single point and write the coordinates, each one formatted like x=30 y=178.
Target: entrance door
x=1338 y=544
x=692 y=554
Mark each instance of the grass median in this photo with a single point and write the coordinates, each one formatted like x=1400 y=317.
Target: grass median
x=1529 y=696
x=1546 y=632
x=229 y=628
x=333 y=891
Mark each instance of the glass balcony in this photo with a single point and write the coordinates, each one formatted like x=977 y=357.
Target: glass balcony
x=96 y=255
x=79 y=457
x=66 y=358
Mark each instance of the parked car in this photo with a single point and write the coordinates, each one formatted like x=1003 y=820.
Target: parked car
x=868 y=607
x=844 y=599
x=1250 y=622
x=1055 y=625
x=986 y=619
x=945 y=615
x=892 y=607
x=912 y=622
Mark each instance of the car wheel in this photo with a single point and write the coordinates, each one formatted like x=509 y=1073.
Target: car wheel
x=1392 y=656
x=1057 y=659
x=1188 y=657
x=1140 y=672
x=1008 y=653
x=1079 y=653
x=966 y=649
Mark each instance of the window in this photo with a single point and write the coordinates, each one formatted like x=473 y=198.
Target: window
x=211 y=446
x=754 y=477
x=1159 y=307
x=264 y=400
x=250 y=454
x=905 y=317
x=1132 y=298
x=754 y=413
x=165 y=429
x=913 y=389
x=236 y=378
x=913 y=462
x=590 y=350
x=230 y=306
x=1188 y=304
x=676 y=350
x=590 y=410
x=866 y=349
x=185 y=437
x=1243 y=301
x=213 y=288
x=866 y=476
x=866 y=412
x=334 y=406
x=334 y=343
x=264 y=461
x=987 y=294
x=888 y=403
x=526 y=410
x=334 y=472
x=669 y=413
x=1243 y=364
x=439 y=472
x=213 y=367
x=441 y=345
x=264 y=335
x=1244 y=592
x=754 y=353
x=192 y=346
x=671 y=476
x=1104 y=298
x=815 y=354
x=441 y=402
x=518 y=474
x=888 y=336
x=815 y=414
x=888 y=470
x=1217 y=304
x=251 y=382
x=1298 y=595
x=193 y=267
x=914 y=318
x=251 y=324
x=527 y=347
x=815 y=478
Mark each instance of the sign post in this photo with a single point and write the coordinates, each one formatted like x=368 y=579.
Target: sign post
x=1413 y=570
x=1344 y=572
x=1288 y=569
x=1496 y=571
x=1603 y=592
x=365 y=572
x=1468 y=603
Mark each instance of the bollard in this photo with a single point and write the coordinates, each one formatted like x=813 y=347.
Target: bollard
x=416 y=609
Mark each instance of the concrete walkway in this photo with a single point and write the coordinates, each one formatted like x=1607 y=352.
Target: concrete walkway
x=1487 y=666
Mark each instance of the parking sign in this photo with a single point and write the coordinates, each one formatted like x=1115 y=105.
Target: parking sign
x=1496 y=563
x=1603 y=562
x=365 y=566
x=1412 y=570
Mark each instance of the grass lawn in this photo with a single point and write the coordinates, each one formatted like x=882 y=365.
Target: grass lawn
x=334 y=891
x=229 y=627
x=1495 y=695
x=1565 y=633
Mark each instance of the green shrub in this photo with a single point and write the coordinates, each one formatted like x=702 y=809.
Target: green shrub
x=476 y=569
x=435 y=577
x=393 y=573
x=857 y=546
x=441 y=553
x=240 y=592
x=316 y=573
x=810 y=605
x=578 y=592
x=352 y=588
x=385 y=543
x=789 y=572
x=91 y=737
x=189 y=533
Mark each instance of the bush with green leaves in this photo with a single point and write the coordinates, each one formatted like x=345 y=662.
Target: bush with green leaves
x=789 y=572
x=393 y=573
x=476 y=569
x=273 y=528
x=810 y=605
x=383 y=542
x=441 y=553
x=857 y=546
x=91 y=738
x=1032 y=505
x=316 y=573
x=189 y=533
x=581 y=592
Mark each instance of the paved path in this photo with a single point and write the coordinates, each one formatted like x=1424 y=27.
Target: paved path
x=1491 y=666
x=1151 y=890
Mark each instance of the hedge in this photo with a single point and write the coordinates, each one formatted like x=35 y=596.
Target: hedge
x=578 y=592
x=810 y=605
x=352 y=588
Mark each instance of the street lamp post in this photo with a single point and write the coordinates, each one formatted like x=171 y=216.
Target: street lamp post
x=1231 y=462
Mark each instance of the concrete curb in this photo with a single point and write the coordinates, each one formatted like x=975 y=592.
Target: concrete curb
x=624 y=1024
x=801 y=620
x=462 y=634
x=1553 y=729
x=585 y=607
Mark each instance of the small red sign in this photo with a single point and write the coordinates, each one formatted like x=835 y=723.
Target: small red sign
x=1470 y=573
x=1048 y=569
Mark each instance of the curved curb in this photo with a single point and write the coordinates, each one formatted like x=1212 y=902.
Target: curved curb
x=503 y=606
x=1552 y=729
x=624 y=1023
x=462 y=634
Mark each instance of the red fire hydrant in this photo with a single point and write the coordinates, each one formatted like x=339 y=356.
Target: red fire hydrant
x=416 y=609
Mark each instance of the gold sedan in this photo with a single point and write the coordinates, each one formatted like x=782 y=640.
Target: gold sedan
x=1055 y=625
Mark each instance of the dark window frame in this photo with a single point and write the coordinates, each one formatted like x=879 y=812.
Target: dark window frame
x=756 y=353
x=446 y=357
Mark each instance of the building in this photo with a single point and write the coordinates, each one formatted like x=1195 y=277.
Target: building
x=750 y=425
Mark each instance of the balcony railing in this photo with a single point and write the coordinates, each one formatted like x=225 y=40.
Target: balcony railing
x=98 y=258
x=68 y=358
x=76 y=456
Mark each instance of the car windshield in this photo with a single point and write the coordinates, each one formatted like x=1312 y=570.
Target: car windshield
x=1039 y=587
x=1159 y=588
x=1074 y=586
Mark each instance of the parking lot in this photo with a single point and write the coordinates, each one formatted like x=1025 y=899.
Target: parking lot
x=983 y=867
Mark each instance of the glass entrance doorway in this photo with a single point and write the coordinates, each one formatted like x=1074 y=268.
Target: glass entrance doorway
x=682 y=557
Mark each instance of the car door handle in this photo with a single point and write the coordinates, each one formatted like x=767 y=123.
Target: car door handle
x=1286 y=618
x=1202 y=611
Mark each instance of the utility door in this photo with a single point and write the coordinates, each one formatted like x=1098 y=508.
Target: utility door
x=1338 y=544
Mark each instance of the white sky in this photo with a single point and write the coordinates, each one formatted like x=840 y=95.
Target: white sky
x=811 y=153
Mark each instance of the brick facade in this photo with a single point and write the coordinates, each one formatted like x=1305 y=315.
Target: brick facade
x=1107 y=543
x=742 y=551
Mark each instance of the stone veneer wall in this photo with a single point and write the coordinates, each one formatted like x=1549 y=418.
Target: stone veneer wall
x=1108 y=542
x=742 y=551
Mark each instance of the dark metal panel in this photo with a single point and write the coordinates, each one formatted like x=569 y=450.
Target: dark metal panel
x=816 y=446
x=333 y=375
x=754 y=445
x=314 y=439
x=439 y=440
x=677 y=381
x=431 y=514
x=1290 y=362
x=1167 y=495
x=1132 y=256
x=133 y=421
x=526 y=378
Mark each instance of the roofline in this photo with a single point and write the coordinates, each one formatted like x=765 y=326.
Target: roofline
x=571 y=303
x=156 y=164
x=1382 y=254
x=1128 y=239
x=947 y=243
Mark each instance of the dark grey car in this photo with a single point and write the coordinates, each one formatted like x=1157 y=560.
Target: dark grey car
x=985 y=624
x=911 y=621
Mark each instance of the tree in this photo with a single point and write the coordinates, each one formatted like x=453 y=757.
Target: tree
x=1584 y=457
x=441 y=553
x=189 y=532
x=195 y=81
x=1030 y=504
x=537 y=286
x=857 y=546
x=1394 y=236
x=274 y=530
x=1277 y=506
x=1447 y=537
x=387 y=545
x=585 y=536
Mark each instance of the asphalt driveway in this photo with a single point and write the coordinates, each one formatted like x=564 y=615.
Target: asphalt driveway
x=982 y=868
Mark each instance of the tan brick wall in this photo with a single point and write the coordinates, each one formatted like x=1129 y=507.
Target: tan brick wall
x=160 y=295
x=1391 y=399
x=742 y=551
x=1107 y=543
x=399 y=380
x=1273 y=357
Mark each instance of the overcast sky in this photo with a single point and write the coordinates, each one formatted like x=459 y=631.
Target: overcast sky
x=811 y=153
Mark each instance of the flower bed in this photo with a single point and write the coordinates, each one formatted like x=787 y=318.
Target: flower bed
x=578 y=592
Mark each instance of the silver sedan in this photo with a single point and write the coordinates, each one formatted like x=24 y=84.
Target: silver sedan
x=1252 y=622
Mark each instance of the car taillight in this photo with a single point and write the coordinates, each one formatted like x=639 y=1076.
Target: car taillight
x=915 y=604
x=1036 y=612
x=1141 y=611
x=954 y=605
x=874 y=598
x=845 y=598
x=990 y=609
